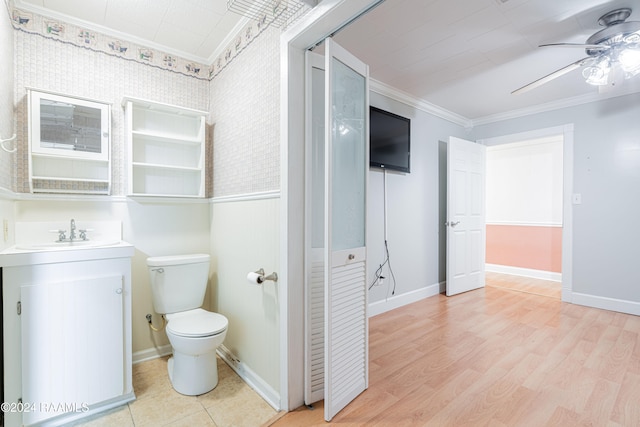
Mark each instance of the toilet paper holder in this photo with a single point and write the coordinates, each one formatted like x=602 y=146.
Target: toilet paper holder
x=273 y=276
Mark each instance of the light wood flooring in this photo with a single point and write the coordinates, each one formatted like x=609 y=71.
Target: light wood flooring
x=524 y=284
x=495 y=357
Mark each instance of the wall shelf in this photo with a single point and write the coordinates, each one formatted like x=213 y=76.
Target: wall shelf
x=166 y=149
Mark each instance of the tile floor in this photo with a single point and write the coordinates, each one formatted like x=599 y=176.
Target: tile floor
x=231 y=403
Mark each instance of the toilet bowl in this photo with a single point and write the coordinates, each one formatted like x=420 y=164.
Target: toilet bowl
x=194 y=336
x=178 y=284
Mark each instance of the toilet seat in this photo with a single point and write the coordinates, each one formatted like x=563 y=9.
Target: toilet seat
x=196 y=323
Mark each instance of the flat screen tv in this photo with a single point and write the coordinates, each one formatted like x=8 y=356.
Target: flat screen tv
x=390 y=137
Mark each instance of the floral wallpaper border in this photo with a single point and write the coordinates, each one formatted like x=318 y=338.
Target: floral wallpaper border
x=81 y=37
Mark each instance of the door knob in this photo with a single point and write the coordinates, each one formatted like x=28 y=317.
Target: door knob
x=351 y=257
x=452 y=223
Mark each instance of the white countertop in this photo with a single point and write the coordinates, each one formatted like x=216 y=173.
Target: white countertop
x=16 y=256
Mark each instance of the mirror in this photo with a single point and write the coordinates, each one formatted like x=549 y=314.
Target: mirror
x=70 y=127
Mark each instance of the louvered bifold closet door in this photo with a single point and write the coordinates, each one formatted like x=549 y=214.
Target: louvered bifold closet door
x=315 y=330
x=347 y=332
x=346 y=178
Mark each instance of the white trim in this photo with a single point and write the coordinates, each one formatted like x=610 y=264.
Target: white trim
x=403 y=97
x=524 y=272
x=525 y=224
x=271 y=396
x=397 y=301
x=151 y=353
x=275 y=194
x=605 y=303
x=547 y=107
x=7 y=194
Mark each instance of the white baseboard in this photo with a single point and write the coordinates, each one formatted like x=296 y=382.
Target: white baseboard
x=526 y=272
x=397 y=301
x=151 y=353
x=605 y=303
x=271 y=396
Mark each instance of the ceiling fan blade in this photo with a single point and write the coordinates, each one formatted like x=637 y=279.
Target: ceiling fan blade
x=584 y=46
x=562 y=71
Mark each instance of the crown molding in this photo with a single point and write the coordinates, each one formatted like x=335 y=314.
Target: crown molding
x=549 y=106
x=405 y=98
x=427 y=107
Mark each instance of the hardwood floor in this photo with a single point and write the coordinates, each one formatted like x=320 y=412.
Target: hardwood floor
x=525 y=284
x=495 y=357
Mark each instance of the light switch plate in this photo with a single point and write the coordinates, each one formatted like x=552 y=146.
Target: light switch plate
x=577 y=198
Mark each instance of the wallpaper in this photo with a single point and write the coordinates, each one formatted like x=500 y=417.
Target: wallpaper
x=241 y=92
x=46 y=64
x=6 y=98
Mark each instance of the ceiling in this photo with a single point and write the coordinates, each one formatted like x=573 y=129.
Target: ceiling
x=464 y=56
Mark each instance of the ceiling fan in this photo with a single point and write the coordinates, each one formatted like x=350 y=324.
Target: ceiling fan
x=613 y=54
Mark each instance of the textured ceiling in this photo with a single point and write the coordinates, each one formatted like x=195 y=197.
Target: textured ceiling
x=465 y=56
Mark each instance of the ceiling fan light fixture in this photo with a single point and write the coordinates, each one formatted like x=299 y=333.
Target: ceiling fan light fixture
x=597 y=75
x=632 y=38
x=630 y=60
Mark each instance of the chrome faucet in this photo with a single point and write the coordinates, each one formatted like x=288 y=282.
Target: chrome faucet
x=72 y=232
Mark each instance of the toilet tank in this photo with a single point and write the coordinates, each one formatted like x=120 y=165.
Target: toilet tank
x=178 y=282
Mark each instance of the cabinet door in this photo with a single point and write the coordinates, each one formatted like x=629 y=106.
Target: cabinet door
x=72 y=345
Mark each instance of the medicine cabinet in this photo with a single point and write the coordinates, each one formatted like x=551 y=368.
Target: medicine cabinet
x=166 y=149
x=69 y=144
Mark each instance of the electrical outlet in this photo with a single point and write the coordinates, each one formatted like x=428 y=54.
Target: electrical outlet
x=5 y=229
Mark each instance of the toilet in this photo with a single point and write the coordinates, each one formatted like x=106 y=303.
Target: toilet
x=178 y=285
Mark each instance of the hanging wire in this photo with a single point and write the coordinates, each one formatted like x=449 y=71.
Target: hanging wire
x=378 y=274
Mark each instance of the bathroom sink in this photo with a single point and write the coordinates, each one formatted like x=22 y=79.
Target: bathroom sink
x=76 y=244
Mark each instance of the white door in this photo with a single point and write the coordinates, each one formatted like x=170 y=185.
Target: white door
x=314 y=230
x=72 y=344
x=346 y=173
x=465 y=216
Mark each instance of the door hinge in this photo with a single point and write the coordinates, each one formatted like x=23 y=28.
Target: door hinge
x=19 y=308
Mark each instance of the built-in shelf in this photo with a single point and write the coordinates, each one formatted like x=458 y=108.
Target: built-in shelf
x=166 y=149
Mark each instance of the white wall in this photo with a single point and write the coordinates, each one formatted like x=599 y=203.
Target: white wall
x=415 y=208
x=245 y=238
x=524 y=182
x=245 y=230
x=154 y=229
x=607 y=175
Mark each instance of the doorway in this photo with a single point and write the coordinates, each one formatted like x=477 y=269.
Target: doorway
x=529 y=211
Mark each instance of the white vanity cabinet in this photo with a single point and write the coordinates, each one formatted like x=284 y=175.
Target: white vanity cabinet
x=67 y=333
x=166 y=149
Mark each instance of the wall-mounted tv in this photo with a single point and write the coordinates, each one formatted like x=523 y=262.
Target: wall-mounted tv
x=390 y=140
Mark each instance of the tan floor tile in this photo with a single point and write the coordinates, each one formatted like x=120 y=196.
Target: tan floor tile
x=120 y=416
x=150 y=377
x=199 y=419
x=243 y=408
x=163 y=407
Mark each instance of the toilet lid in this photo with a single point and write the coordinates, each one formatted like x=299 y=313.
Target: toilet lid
x=198 y=323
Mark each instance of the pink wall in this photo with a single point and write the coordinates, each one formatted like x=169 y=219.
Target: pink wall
x=535 y=247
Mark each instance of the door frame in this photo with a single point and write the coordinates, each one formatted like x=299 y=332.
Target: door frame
x=315 y=26
x=567 y=192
